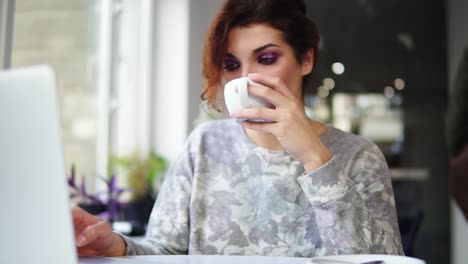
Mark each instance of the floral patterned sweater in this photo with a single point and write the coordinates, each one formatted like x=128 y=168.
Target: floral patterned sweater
x=225 y=195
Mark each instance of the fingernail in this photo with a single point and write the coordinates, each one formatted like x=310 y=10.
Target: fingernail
x=251 y=75
x=80 y=240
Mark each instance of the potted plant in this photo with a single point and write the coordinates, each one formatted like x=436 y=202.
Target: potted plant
x=106 y=203
x=144 y=175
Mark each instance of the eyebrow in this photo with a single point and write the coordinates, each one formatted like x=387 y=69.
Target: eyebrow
x=255 y=51
x=259 y=49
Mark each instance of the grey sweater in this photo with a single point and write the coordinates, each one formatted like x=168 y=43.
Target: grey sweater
x=225 y=195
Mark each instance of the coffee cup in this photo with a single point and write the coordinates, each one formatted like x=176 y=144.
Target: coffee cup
x=236 y=96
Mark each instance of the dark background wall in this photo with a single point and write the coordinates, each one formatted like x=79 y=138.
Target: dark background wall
x=379 y=41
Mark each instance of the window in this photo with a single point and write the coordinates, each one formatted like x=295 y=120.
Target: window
x=6 y=25
x=101 y=53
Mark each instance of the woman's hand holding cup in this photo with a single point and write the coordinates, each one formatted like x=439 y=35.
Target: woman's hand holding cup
x=237 y=96
x=287 y=121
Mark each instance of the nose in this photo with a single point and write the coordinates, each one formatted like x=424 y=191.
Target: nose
x=246 y=69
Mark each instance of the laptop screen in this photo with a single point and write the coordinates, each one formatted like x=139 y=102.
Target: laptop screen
x=35 y=217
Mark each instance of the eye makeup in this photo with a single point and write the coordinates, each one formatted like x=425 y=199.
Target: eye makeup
x=267 y=58
x=262 y=55
x=230 y=64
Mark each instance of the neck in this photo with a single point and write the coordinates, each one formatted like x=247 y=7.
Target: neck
x=269 y=141
x=263 y=139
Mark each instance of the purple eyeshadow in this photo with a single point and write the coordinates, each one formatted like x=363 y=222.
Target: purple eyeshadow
x=230 y=64
x=267 y=58
x=269 y=55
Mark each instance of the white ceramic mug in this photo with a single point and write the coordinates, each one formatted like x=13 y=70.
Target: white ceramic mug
x=236 y=96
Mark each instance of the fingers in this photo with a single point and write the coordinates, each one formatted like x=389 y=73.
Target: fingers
x=260 y=126
x=257 y=113
x=267 y=93
x=77 y=213
x=277 y=129
x=286 y=114
x=273 y=82
x=80 y=216
x=87 y=251
x=82 y=219
x=93 y=232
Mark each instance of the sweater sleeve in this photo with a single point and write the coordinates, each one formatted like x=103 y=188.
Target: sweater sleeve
x=356 y=212
x=168 y=227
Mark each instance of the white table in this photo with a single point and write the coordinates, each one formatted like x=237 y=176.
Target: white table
x=193 y=259
x=197 y=259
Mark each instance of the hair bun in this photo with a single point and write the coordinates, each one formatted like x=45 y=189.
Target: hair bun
x=300 y=4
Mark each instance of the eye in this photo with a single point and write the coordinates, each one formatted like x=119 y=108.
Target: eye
x=267 y=58
x=231 y=65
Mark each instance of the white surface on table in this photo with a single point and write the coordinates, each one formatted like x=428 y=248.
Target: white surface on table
x=193 y=259
x=356 y=259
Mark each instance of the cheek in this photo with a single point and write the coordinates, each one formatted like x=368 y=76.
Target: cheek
x=284 y=68
x=291 y=76
x=227 y=76
x=288 y=75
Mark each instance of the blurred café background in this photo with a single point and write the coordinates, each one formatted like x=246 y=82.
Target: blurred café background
x=129 y=78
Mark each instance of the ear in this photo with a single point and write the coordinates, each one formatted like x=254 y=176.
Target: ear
x=307 y=62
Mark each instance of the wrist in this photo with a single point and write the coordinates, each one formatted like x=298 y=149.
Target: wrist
x=118 y=246
x=317 y=161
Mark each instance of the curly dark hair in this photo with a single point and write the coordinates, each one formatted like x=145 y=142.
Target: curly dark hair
x=288 y=16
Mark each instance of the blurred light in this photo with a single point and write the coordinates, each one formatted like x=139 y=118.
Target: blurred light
x=343 y=124
x=399 y=84
x=389 y=91
x=338 y=68
x=407 y=40
x=363 y=101
x=323 y=91
x=397 y=100
x=84 y=129
x=329 y=82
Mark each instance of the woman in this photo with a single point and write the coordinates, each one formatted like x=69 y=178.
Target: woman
x=287 y=187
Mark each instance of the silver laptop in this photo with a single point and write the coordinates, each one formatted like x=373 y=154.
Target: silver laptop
x=35 y=219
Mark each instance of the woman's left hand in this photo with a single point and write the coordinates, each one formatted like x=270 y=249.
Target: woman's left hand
x=288 y=122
